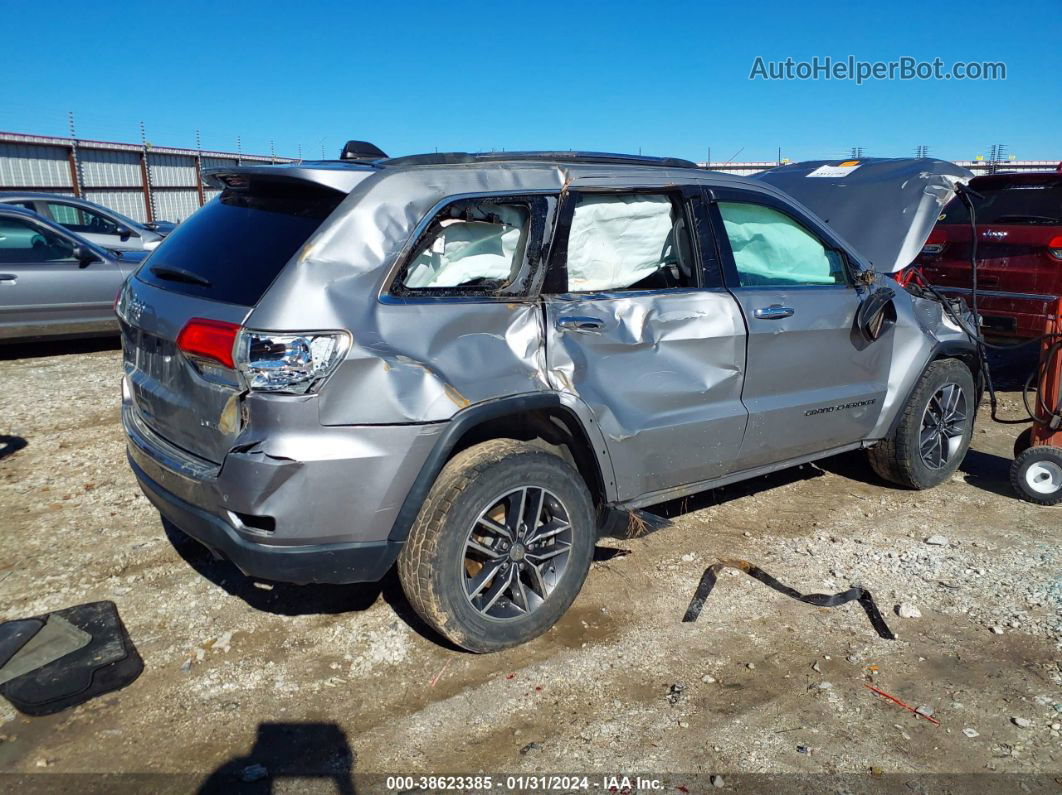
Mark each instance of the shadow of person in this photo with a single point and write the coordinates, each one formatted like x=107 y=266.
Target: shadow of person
x=296 y=751
x=11 y=444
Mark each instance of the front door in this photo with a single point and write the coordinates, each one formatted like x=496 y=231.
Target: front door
x=639 y=328
x=811 y=382
x=45 y=289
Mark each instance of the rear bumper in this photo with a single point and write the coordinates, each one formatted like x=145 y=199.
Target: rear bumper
x=1008 y=314
x=304 y=503
x=316 y=563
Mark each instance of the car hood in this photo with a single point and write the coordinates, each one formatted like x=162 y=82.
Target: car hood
x=133 y=256
x=161 y=228
x=884 y=207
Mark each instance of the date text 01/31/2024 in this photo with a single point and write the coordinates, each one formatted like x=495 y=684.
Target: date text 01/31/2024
x=523 y=783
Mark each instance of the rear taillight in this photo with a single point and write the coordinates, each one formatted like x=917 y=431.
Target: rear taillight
x=934 y=244
x=1054 y=247
x=291 y=363
x=209 y=339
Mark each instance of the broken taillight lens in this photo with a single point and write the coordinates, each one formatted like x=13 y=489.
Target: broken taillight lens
x=209 y=339
x=291 y=363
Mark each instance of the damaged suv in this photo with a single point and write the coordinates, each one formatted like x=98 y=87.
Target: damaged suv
x=467 y=363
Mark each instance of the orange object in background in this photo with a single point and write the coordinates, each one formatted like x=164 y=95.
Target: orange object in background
x=1050 y=378
x=1036 y=473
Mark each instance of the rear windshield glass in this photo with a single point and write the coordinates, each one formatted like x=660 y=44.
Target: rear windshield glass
x=233 y=248
x=1015 y=204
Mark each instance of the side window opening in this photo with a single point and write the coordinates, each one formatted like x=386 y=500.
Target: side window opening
x=474 y=246
x=628 y=242
x=22 y=242
x=772 y=249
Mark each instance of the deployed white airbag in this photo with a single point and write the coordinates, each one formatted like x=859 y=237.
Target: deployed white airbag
x=770 y=248
x=466 y=251
x=616 y=241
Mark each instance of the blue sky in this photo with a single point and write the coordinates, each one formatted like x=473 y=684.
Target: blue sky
x=668 y=78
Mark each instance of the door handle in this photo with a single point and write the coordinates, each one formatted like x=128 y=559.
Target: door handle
x=774 y=312
x=586 y=325
x=8 y=277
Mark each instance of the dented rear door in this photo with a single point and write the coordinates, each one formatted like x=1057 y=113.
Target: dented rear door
x=659 y=366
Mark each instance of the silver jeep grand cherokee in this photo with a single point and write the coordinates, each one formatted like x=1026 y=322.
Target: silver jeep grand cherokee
x=466 y=362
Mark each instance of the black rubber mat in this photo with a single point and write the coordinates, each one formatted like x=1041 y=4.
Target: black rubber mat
x=16 y=634
x=109 y=662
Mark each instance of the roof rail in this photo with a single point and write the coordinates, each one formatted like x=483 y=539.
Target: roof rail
x=450 y=158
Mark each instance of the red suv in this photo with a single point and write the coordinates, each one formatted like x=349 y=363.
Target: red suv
x=1019 y=250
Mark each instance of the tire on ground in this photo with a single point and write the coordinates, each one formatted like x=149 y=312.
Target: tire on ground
x=431 y=567
x=897 y=457
x=1036 y=475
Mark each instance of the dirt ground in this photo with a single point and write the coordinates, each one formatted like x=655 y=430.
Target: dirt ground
x=316 y=683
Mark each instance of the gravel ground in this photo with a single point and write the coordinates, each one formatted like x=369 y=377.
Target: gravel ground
x=319 y=681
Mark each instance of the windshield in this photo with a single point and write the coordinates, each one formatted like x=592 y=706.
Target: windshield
x=1014 y=204
x=233 y=248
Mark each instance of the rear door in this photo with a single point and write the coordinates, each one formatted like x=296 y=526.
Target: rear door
x=639 y=327
x=45 y=289
x=811 y=383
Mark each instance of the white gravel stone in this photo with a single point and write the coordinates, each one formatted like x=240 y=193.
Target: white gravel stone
x=937 y=541
x=907 y=610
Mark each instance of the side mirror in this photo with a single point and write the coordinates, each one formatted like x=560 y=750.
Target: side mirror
x=876 y=314
x=85 y=256
x=123 y=233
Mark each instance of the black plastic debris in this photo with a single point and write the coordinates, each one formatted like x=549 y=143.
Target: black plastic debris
x=107 y=662
x=856 y=594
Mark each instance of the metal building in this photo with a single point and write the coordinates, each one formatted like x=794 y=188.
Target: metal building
x=143 y=182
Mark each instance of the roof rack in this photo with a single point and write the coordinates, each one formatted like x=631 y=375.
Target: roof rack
x=451 y=158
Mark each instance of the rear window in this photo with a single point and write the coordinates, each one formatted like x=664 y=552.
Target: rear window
x=235 y=246
x=1031 y=204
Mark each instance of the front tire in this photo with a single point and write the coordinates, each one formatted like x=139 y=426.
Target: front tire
x=501 y=546
x=934 y=430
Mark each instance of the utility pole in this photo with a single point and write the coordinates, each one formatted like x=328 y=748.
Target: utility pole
x=856 y=153
x=239 y=151
x=199 y=169
x=145 y=175
x=922 y=151
x=75 y=161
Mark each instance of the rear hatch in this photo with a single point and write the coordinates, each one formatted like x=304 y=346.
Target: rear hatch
x=1019 y=238
x=216 y=265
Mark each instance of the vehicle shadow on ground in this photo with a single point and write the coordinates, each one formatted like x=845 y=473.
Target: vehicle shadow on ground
x=988 y=472
x=657 y=517
x=287 y=599
x=34 y=350
x=293 y=752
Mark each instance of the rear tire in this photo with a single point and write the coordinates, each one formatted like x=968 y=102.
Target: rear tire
x=501 y=546
x=934 y=429
x=1036 y=475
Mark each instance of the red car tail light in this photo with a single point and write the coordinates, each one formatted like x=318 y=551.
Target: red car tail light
x=209 y=339
x=1054 y=247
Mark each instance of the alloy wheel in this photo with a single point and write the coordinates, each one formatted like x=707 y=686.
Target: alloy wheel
x=516 y=552
x=943 y=426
